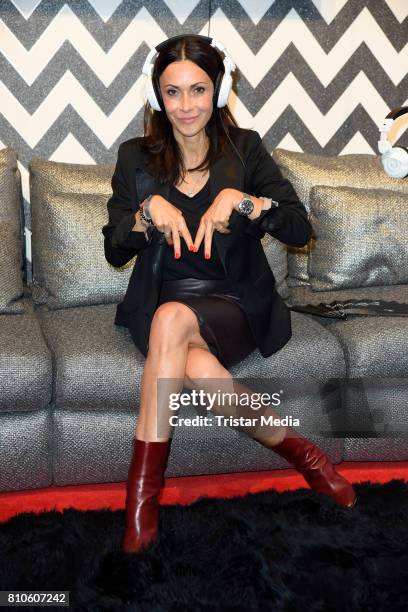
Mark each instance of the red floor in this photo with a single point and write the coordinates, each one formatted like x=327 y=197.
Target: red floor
x=186 y=489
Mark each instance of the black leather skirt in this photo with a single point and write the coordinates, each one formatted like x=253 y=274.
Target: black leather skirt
x=222 y=320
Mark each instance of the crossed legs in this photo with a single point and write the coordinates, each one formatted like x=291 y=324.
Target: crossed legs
x=180 y=356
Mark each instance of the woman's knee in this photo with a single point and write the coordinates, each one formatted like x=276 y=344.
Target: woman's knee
x=172 y=320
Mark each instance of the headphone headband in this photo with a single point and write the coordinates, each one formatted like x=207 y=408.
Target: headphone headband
x=397 y=112
x=223 y=84
x=174 y=39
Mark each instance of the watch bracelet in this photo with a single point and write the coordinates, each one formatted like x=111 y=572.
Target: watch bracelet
x=144 y=210
x=272 y=203
x=144 y=218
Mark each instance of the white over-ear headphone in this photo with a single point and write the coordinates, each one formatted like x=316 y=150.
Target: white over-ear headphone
x=394 y=159
x=223 y=84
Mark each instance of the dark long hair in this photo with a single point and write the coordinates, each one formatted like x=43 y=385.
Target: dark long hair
x=166 y=161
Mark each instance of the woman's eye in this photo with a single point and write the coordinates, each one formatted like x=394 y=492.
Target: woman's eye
x=173 y=92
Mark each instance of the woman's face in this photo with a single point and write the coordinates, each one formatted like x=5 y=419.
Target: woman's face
x=187 y=93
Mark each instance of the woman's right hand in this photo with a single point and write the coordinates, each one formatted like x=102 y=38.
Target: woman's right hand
x=169 y=220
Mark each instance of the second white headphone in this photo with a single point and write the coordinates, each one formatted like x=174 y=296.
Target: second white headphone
x=223 y=84
x=394 y=158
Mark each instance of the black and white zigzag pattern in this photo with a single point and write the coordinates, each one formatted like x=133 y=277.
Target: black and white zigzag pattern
x=315 y=75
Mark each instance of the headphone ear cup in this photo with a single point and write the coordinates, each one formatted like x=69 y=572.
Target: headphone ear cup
x=395 y=162
x=150 y=93
x=157 y=94
x=224 y=90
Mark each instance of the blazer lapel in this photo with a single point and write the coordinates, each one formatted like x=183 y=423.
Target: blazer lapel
x=226 y=172
x=147 y=184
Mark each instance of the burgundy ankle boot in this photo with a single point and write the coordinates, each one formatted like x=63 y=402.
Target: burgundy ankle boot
x=145 y=478
x=315 y=467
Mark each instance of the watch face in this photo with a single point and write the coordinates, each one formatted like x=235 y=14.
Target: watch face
x=246 y=206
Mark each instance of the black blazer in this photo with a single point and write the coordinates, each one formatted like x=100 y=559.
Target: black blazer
x=241 y=251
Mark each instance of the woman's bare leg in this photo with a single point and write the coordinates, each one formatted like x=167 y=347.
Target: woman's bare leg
x=301 y=453
x=204 y=371
x=173 y=332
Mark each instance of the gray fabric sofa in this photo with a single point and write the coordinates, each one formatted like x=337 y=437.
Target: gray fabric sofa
x=70 y=378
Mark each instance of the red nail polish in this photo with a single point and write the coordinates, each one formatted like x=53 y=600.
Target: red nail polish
x=191 y=248
x=195 y=249
x=207 y=256
x=177 y=255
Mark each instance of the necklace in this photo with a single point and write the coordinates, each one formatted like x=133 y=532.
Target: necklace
x=195 y=186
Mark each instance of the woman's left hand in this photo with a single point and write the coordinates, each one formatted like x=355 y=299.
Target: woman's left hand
x=216 y=217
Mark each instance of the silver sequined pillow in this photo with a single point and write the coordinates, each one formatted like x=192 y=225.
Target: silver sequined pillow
x=362 y=238
x=11 y=258
x=276 y=255
x=68 y=209
x=305 y=170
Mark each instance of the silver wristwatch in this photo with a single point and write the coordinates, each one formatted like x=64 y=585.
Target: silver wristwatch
x=246 y=205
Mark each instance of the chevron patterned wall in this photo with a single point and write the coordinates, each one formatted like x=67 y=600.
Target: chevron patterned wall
x=315 y=75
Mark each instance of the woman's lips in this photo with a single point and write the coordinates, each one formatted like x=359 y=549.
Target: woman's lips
x=187 y=119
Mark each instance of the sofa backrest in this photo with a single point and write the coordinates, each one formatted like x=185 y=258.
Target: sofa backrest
x=68 y=210
x=11 y=256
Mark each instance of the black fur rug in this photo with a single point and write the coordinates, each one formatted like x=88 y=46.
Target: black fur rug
x=268 y=551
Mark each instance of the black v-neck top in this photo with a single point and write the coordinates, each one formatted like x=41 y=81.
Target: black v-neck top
x=192 y=265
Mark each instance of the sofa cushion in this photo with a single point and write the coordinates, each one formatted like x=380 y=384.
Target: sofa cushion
x=311 y=353
x=26 y=450
x=364 y=337
x=11 y=259
x=96 y=362
x=361 y=238
x=375 y=390
x=381 y=449
x=25 y=362
x=308 y=371
x=68 y=204
x=375 y=393
x=374 y=346
x=306 y=170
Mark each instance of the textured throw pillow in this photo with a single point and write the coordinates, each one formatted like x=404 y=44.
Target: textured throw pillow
x=11 y=257
x=276 y=255
x=68 y=209
x=305 y=170
x=362 y=238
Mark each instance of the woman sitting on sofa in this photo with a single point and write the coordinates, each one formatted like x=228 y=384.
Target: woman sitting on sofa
x=201 y=297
